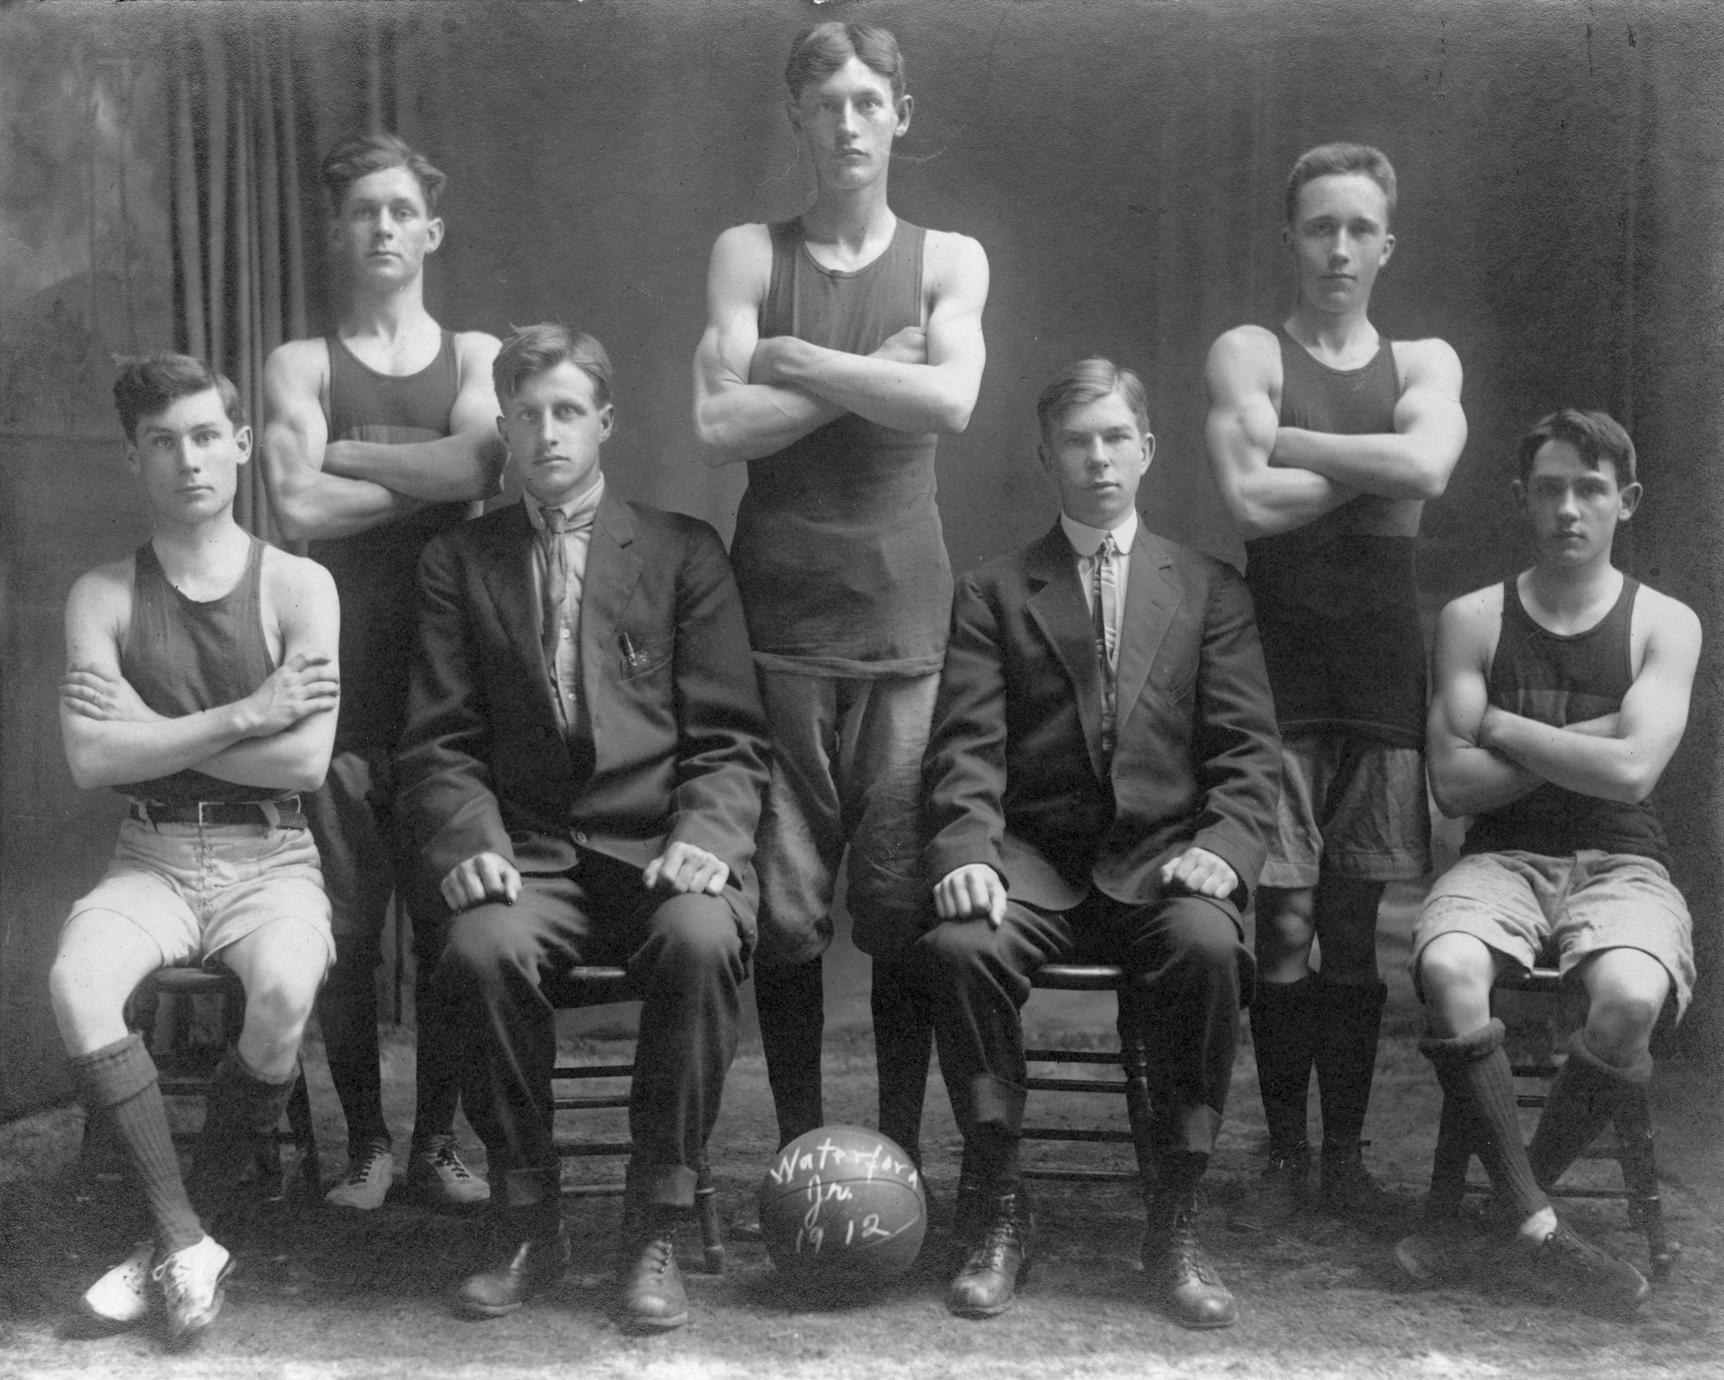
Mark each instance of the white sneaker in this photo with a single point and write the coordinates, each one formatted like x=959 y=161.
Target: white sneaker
x=436 y=1175
x=369 y=1175
x=122 y=1296
x=191 y=1281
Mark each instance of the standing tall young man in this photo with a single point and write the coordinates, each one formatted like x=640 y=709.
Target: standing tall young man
x=201 y=683
x=838 y=345
x=1561 y=695
x=1326 y=440
x=377 y=438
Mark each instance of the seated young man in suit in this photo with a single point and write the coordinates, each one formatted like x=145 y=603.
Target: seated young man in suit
x=201 y=683
x=581 y=772
x=1101 y=778
x=1561 y=694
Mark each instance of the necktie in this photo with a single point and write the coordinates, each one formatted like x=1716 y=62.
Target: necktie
x=556 y=579
x=1104 y=612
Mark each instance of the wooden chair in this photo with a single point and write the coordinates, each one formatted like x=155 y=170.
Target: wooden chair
x=1132 y=1058
x=1542 y=992
x=597 y=986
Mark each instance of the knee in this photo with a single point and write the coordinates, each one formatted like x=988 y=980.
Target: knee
x=79 y=991
x=953 y=950
x=480 y=949
x=1455 y=967
x=1285 y=922
x=699 y=936
x=278 y=1003
x=1619 y=1024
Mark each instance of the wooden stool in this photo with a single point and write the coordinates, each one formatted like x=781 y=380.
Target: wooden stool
x=598 y=986
x=1631 y=1146
x=1132 y=1058
x=184 y=1064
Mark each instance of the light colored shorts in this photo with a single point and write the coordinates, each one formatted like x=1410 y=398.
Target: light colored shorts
x=846 y=770
x=1523 y=905
x=1351 y=807
x=196 y=889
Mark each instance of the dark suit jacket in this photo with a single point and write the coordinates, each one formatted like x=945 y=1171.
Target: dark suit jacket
x=675 y=746
x=1014 y=771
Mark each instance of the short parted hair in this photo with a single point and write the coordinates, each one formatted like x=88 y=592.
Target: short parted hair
x=531 y=350
x=1328 y=160
x=1083 y=382
x=1595 y=436
x=147 y=384
x=360 y=154
x=820 y=51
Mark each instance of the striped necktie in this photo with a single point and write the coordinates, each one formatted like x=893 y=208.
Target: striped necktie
x=1104 y=613
x=556 y=579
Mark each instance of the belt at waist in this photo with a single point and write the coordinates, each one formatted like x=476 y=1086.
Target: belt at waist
x=281 y=813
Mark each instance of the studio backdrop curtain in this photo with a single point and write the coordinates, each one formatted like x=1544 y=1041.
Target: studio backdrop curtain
x=253 y=104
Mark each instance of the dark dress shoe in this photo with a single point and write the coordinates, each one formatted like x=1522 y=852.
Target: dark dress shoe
x=514 y=1271
x=1179 y=1273
x=987 y=1282
x=650 y=1295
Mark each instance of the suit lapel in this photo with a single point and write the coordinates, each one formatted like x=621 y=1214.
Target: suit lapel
x=1058 y=606
x=512 y=582
x=1151 y=600
x=613 y=571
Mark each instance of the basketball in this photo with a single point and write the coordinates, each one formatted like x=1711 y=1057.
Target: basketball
x=842 y=1208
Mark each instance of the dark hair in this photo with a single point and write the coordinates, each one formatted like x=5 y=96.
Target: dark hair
x=360 y=154
x=147 y=384
x=1596 y=437
x=531 y=350
x=820 y=51
x=1329 y=160
x=1084 y=381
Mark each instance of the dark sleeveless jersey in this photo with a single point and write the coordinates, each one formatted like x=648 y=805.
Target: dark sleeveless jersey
x=1565 y=679
x=374 y=570
x=838 y=552
x=182 y=656
x=1338 y=607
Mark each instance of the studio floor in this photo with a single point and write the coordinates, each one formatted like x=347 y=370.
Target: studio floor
x=318 y=1293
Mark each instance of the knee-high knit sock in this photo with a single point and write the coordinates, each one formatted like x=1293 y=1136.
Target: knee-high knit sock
x=903 y=1041
x=1474 y=1068
x=1348 y=1020
x=240 y=1111
x=1583 y=1097
x=118 y=1082
x=792 y=1005
x=1283 y=1037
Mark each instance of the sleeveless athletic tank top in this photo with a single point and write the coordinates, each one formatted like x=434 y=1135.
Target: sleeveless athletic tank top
x=1338 y=601
x=838 y=553
x=1565 y=679
x=182 y=656
x=374 y=570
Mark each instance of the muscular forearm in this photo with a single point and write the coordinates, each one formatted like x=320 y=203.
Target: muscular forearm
x=1608 y=767
x=317 y=507
x=1469 y=780
x=115 y=752
x=1386 y=465
x=1267 y=502
x=888 y=392
x=750 y=421
x=296 y=759
x=452 y=469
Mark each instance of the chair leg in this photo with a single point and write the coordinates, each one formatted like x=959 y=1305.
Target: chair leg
x=711 y=1232
x=304 y=1133
x=1640 y=1177
x=1134 y=1060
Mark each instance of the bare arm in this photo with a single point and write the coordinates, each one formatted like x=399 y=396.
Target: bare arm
x=1466 y=777
x=1241 y=432
x=935 y=394
x=309 y=503
x=1626 y=765
x=113 y=738
x=1417 y=458
x=463 y=466
x=734 y=418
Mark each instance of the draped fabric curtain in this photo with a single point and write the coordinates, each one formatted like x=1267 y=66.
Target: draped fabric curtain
x=252 y=106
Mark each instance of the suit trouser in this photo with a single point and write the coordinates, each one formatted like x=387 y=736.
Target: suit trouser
x=1185 y=954
x=501 y=973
